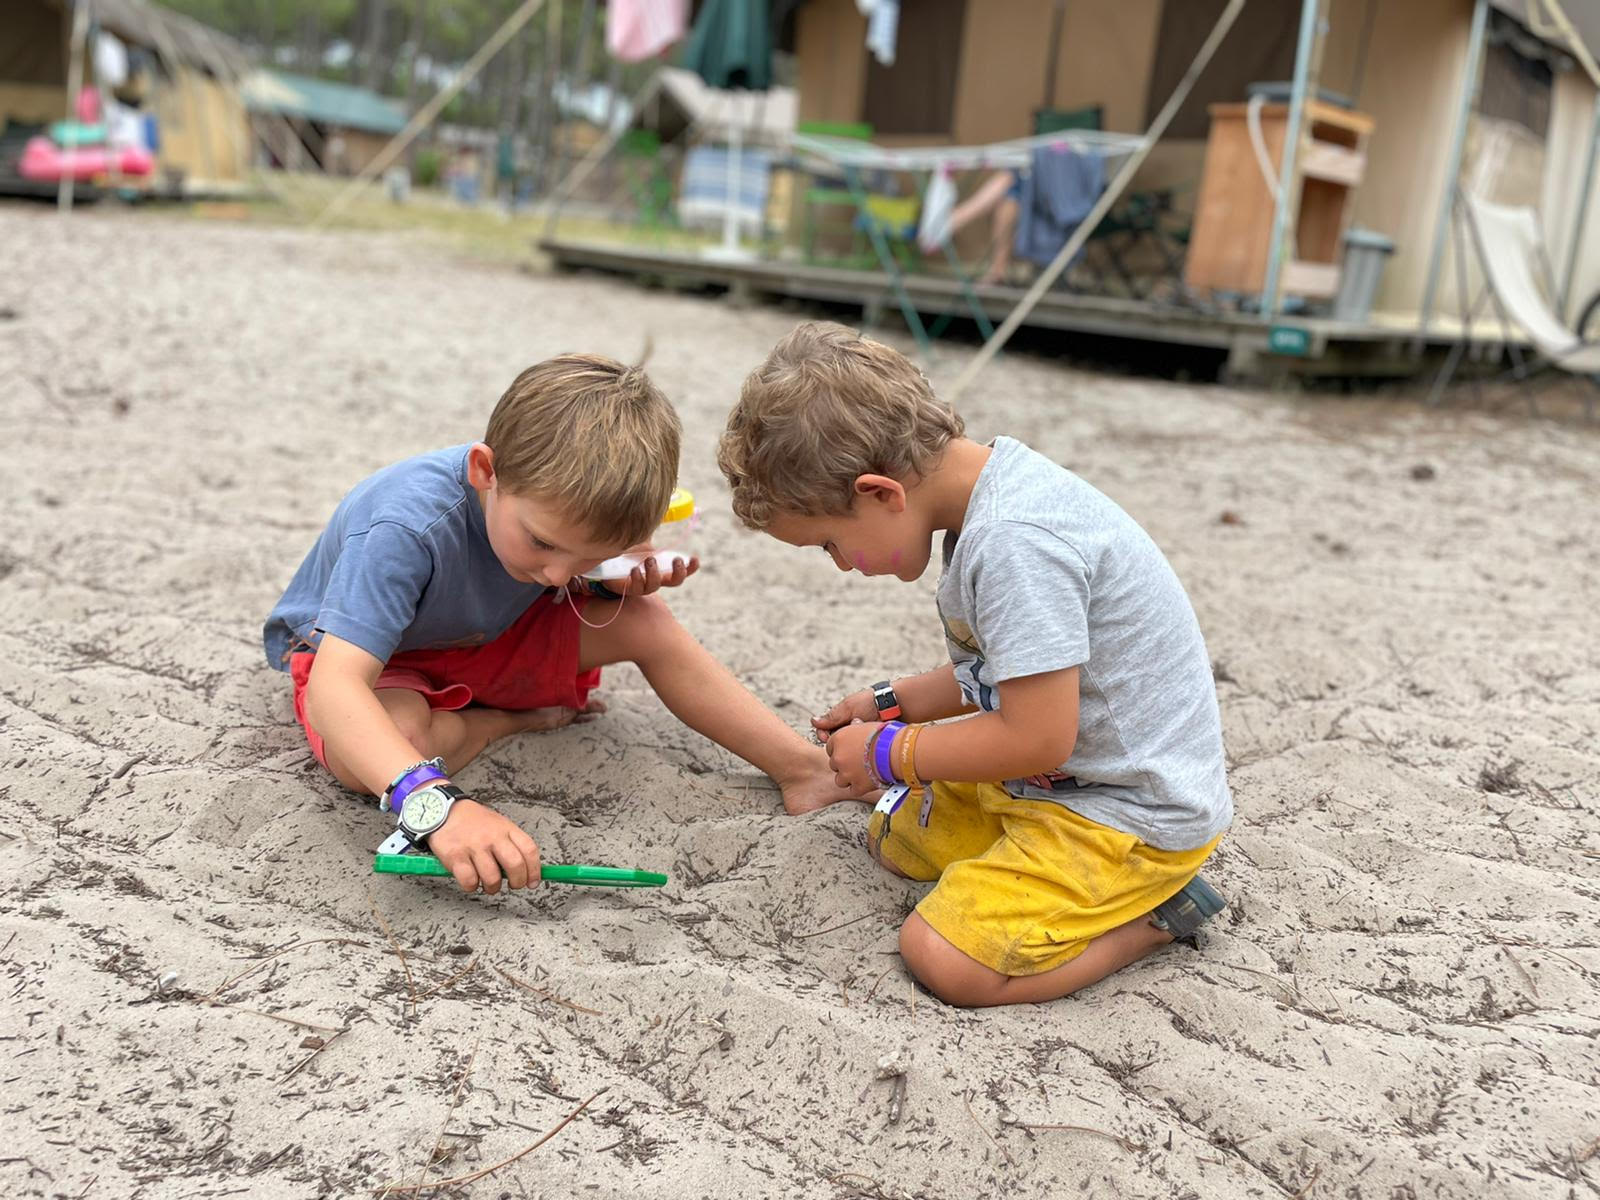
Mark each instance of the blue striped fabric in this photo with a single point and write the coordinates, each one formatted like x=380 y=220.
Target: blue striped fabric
x=703 y=188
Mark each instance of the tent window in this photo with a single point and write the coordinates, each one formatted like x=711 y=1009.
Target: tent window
x=918 y=94
x=1258 y=49
x=1516 y=88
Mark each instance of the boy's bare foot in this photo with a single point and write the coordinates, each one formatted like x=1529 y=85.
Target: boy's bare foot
x=492 y=724
x=814 y=789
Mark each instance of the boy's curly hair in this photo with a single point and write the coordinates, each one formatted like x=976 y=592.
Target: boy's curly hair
x=594 y=438
x=827 y=406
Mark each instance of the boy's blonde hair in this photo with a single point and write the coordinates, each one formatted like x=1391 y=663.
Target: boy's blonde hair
x=593 y=437
x=828 y=405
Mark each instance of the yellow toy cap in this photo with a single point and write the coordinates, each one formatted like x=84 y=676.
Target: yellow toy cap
x=681 y=506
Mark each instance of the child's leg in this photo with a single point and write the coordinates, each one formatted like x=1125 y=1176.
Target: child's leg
x=957 y=979
x=1033 y=900
x=705 y=696
x=457 y=737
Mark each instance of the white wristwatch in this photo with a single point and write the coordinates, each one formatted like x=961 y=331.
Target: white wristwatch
x=426 y=809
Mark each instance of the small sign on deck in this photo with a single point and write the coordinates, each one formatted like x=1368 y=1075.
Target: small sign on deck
x=1289 y=339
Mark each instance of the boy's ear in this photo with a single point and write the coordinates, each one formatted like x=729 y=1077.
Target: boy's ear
x=480 y=466
x=883 y=490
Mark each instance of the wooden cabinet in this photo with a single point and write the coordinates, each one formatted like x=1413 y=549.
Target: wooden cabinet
x=1233 y=213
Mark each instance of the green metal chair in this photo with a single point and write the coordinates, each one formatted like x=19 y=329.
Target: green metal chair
x=649 y=183
x=1150 y=217
x=823 y=196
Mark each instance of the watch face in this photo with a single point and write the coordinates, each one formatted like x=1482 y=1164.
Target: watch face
x=424 y=810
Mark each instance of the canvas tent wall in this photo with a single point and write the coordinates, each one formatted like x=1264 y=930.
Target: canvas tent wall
x=190 y=90
x=970 y=72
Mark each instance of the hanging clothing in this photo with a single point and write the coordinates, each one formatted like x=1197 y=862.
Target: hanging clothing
x=938 y=203
x=641 y=29
x=1057 y=194
x=110 y=60
x=883 y=27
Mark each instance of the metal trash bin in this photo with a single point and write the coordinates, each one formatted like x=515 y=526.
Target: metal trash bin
x=1365 y=253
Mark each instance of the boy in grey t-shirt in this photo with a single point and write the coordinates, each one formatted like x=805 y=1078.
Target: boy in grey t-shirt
x=1066 y=818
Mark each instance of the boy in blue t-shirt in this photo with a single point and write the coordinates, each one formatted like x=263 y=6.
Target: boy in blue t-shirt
x=443 y=608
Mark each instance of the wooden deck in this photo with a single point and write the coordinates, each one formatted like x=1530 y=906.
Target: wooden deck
x=1330 y=347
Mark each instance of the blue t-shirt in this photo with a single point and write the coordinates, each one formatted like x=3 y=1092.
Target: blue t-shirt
x=405 y=564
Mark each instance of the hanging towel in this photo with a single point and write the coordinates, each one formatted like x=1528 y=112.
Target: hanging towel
x=641 y=29
x=703 y=186
x=883 y=27
x=938 y=202
x=1057 y=194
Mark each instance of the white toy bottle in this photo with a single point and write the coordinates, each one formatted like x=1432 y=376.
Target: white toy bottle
x=673 y=543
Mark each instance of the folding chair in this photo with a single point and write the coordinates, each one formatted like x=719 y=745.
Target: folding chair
x=1511 y=249
x=890 y=223
x=1148 y=218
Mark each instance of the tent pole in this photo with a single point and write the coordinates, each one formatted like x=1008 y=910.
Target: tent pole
x=1307 y=69
x=429 y=111
x=1585 y=190
x=80 y=34
x=598 y=151
x=1058 y=14
x=1102 y=206
x=1471 y=70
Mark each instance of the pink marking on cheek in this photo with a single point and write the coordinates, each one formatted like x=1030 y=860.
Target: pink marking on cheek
x=894 y=561
x=861 y=561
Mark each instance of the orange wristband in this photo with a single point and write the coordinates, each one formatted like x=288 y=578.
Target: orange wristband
x=908 y=755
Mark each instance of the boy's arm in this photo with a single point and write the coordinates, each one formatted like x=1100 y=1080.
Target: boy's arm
x=1032 y=732
x=346 y=712
x=476 y=843
x=931 y=696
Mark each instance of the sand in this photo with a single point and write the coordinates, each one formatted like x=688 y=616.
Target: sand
x=1401 y=606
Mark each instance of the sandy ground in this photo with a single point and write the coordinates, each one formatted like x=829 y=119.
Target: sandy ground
x=1401 y=606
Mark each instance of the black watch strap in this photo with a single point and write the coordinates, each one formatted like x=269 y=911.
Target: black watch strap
x=888 y=703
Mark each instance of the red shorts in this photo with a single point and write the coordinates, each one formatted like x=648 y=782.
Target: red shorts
x=534 y=664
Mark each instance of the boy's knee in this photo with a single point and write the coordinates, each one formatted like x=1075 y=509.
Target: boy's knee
x=411 y=716
x=642 y=621
x=944 y=970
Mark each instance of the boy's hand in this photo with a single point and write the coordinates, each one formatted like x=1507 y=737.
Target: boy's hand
x=858 y=706
x=480 y=847
x=847 y=755
x=647 y=577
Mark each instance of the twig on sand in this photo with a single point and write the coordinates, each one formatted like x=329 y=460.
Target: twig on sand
x=306 y=1061
x=437 y=988
x=546 y=995
x=800 y=937
x=877 y=981
x=461 y=1180
x=275 y=1017
x=986 y=1133
x=1128 y=1144
x=228 y=983
x=875 y=1190
x=1309 y=1184
x=411 y=984
x=1289 y=986
x=433 y=1155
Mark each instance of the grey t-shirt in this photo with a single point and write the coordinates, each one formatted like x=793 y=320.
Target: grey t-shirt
x=1048 y=573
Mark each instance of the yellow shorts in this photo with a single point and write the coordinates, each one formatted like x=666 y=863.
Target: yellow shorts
x=1025 y=885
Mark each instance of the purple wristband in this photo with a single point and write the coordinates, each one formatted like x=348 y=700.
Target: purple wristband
x=410 y=782
x=866 y=758
x=882 y=757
